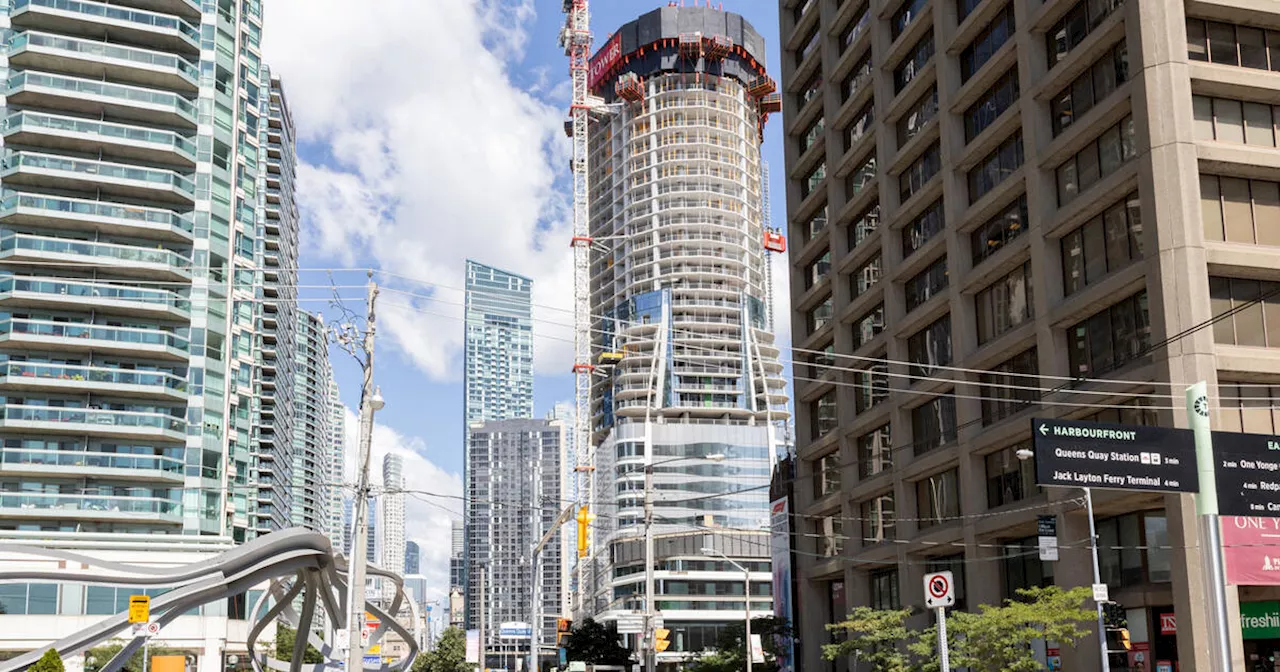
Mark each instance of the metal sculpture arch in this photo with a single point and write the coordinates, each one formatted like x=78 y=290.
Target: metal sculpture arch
x=294 y=562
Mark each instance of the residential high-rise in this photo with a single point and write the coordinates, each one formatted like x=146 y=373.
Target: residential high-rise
x=312 y=435
x=688 y=368
x=457 y=556
x=412 y=558
x=337 y=528
x=392 y=518
x=1013 y=204
x=517 y=490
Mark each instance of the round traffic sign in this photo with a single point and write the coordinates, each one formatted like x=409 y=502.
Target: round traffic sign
x=153 y=628
x=938 y=587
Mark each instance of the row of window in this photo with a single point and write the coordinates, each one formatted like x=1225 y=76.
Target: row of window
x=1102 y=245
x=922 y=229
x=995 y=167
x=1256 y=320
x=1096 y=160
x=1005 y=304
x=1010 y=387
x=930 y=347
x=1071 y=29
x=1099 y=81
x=1238 y=210
x=926 y=284
x=1228 y=44
x=919 y=172
x=913 y=63
x=1243 y=122
x=985 y=45
x=921 y=113
x=1000 y=97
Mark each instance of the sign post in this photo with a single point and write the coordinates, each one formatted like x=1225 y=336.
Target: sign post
x=939 y=593
x=140 y=614
x=1047 y=528
x=1210 y=528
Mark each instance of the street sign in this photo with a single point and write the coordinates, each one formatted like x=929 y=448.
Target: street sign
x=630 y=624
x=1247 y=471
x=373 y=660
x=1100 y=593
x=515 y=630
x=1111 y=456
x=1047 y=528
x=939 y=590
x=139 y=608
x=1048 y=549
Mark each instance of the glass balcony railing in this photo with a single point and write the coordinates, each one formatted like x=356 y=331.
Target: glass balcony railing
x=99 y=209
x=27 y=242
x=135 y=16
x=36 y=120
x=81 y=458
x=95 y=416
x=87 y=87
x=91 y=290
x=93 y=374
x=112 y=504
x=119 y=171
x=123 y=335
x=91 y=49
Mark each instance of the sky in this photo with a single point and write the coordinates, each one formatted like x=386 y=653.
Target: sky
x=429 y=133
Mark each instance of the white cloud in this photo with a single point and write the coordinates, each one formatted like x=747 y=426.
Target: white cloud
x=428 y=519
x=433 y=155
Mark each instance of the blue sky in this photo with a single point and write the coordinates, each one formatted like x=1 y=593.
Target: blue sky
x=431 y=132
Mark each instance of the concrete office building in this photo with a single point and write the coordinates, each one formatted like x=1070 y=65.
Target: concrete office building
x=1052 y=188
x=312 y=435
x=679 y=302
x=516 y=490
x=392 y=518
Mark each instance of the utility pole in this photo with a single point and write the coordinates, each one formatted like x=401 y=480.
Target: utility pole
x=370 y=401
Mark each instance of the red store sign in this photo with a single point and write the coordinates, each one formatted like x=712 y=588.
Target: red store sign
x=1168 y=624
x=1251 y=550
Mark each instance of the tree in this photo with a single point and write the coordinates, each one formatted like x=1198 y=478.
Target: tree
x=730 y=654
x=995 y=639
x=97 y=658
x=49 y=662
x=450 y=654
x=596 y=644
x=286 y=637
x=873 y=636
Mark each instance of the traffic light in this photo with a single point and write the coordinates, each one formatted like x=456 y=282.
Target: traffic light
x=660 y=642
x=1124 y=639
x=563 y=627
x=584 y=518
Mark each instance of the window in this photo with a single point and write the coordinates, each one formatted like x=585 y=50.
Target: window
x=829 y=531
x=875 y=452
x=826 y=475
x=819 y=362
x=865 y=277
x=907 y=13
x=1023 y=568
x=18 y=599
x=919 y=173
x=996 y=167
x=955 y=565
x=813 y=134
x=811 y=89
x=868 y=327
x=813 y=180
x=860 y=178
x=1010 y=479
x=987 y=43
x=1256 y=317
x=1000 y=230
x=817 y=223
x=1110 y=338
x=871 y=386
x=930 y=347
x=1121 y=567
x=926 y=284
x=1071 y=29
x=1000 y=97
x=964 y=7
x=864 y=226
x=921 y=113
x=1097 y=160
x=810 y=45
x=817 y=269
x=799 y=11
x=822 y=413
x=878 y=519
x=1102 y=245
x=937 y=500
x=1132 y=412
x=1233 y=45
x=884 y=589
x=1236 y=121
x=1005 y=303
x=913 y=63
x=922 y=229
x=819 y=316
x=933 y=424
x=1240 y=211
x=855 y=29
x=1002 y=395
x=1246 y=407
x=1090 y=88
x=858 y=78
x=860 y=126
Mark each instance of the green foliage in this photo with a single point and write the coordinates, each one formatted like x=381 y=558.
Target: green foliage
x=992 y=639
x=596 y=644
x=97 y=658
x=285 y=639
x=49 y=662
x=449 y=655
x=730 y=654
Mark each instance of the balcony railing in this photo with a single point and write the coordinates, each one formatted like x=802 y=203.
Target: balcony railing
x=93 y=374
x=92 y=290
x=141 y=57
x=35 y=120
x=119 y=171
x=82 y=458
x=98 y=209
x=92 y=503
x=129 y=253
x=123 y=335
x=91 y=416
x=76 y=86
x=135 y=16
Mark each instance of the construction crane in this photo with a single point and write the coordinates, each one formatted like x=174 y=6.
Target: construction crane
x=575 y=38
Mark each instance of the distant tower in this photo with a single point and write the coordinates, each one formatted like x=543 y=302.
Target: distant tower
x=337 y=525
x=412 y=558
x=392 y=519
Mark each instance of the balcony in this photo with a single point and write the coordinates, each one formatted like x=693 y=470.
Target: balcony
x=98 y=98
x=103 y=60
x=103 y=298
x=84 y=215
x=141 y=425
x=104 y=139
x=51 y=171
x=97 y=20
x=63 y=378
x=148 y=468
x=127 y=260
x=33 y=506
x=97 y=338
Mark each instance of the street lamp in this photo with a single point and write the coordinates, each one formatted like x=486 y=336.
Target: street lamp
x=746 y=582
x=650 y=652
x=1025 y=454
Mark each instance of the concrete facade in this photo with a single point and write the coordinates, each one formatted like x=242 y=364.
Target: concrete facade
x=1051 y=189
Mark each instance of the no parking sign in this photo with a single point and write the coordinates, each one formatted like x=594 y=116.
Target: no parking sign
x=939 y=590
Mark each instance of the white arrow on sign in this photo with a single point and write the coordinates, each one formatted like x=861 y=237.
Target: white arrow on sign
x=1044 y=429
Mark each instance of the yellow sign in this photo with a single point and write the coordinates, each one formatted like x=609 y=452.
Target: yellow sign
x=373 y=650
x=139 y=608
x=660 y=641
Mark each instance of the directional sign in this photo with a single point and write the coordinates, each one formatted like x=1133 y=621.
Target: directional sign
x=1118 y=457
x=139 y=608
x=630 y=624
x=1247 y=470
x=939 y=590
